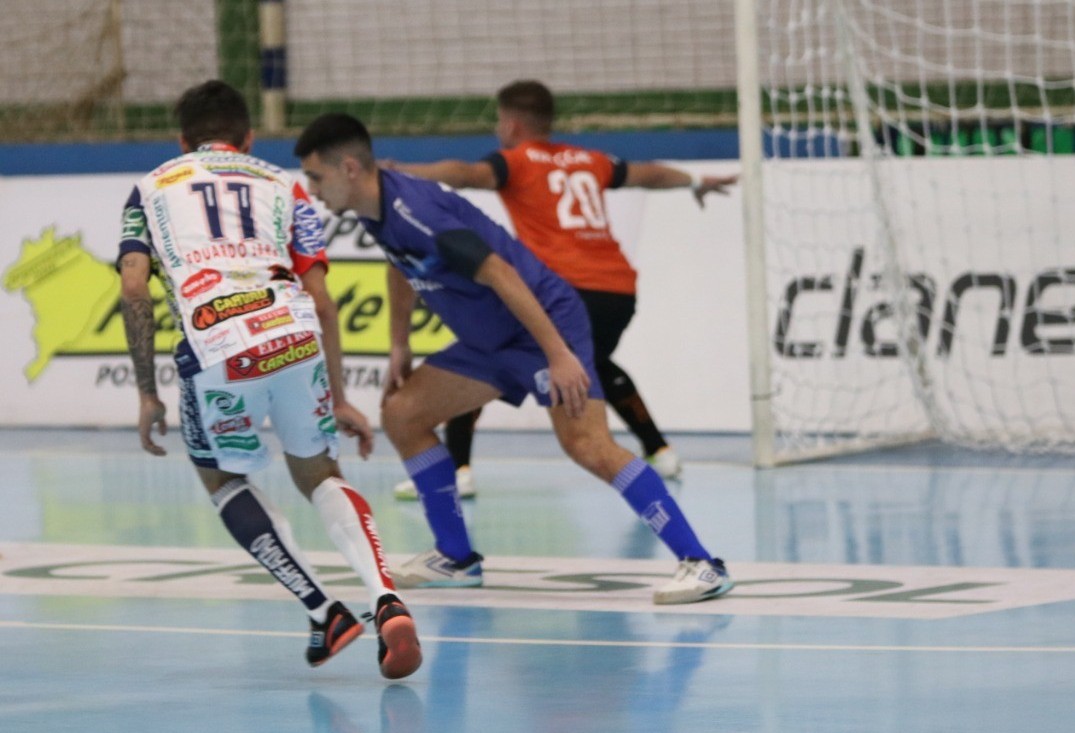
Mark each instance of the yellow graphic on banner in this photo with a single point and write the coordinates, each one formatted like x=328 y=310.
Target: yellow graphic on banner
x=75 y=300
x=68 y=290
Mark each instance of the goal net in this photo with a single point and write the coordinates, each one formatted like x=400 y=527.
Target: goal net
x=92 y=69
x=110 y=69
x=912 y=260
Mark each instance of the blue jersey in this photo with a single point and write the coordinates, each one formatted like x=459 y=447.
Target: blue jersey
x=413 y=213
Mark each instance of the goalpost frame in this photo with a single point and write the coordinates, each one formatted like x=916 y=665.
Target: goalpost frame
x=751 y=156
x=750 y=159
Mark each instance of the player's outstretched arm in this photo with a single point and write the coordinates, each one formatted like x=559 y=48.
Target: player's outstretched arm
x=349 y=419
x=455 y=173
x=659 y=176
x=141 y=327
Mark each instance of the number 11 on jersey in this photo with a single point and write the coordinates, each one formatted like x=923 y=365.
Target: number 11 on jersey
x=210 y=197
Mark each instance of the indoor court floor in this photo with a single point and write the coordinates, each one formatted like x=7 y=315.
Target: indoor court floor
x=919 y=589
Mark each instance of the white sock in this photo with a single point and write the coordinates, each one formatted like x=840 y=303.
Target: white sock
x=349 y=522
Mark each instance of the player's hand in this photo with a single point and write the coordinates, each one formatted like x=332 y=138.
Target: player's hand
x=569 y=384
x=352 y=422
x=388 y=164
x=151 y=412
x=716 y=184
x=400 y=363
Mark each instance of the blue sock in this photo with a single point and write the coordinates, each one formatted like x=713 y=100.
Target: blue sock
x=266 y=534
x=645 y=492
x=433 y=473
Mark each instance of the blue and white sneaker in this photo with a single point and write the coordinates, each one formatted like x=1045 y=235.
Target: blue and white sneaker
x=695 y=580
x=435 y=570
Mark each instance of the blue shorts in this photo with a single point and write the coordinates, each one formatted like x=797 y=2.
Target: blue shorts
x=520 y=367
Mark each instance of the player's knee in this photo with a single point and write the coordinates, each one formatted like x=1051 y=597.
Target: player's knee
x=392 y=417
x=401 y=414
x=594 y=453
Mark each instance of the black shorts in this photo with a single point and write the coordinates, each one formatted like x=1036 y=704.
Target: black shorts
x=609 y=315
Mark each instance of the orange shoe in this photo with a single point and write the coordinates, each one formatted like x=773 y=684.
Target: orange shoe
x=327 y=639
x=399 y=653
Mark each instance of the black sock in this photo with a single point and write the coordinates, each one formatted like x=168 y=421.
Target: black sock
x=624 y=398
x=459 y=437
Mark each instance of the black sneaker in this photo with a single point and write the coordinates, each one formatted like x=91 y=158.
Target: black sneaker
x=339 y=630
x=399 y=652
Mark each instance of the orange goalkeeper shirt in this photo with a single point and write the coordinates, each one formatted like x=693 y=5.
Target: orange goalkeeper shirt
x=554 y=194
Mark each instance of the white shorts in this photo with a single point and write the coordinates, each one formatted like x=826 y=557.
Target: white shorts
x=223 y=407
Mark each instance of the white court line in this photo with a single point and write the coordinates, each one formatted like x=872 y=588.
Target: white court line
x=742 y=646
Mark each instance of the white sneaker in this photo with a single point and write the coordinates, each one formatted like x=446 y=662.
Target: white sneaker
x=695 y=580
x=666 y=463
x=433 y=570
x=407 y=491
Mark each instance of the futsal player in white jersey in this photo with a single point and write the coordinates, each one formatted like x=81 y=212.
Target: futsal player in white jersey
x=241 y=255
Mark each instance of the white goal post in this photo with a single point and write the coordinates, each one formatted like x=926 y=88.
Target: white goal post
x=907 y=166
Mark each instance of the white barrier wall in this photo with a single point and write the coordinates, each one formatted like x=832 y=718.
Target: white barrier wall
x=64 y=359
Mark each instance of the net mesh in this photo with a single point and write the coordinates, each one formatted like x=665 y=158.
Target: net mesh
x=91 y=69
x=919 y=271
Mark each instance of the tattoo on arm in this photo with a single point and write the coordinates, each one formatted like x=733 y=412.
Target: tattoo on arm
x=141 y=326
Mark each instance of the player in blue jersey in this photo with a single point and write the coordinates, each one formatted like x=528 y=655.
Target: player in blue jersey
x=521 y=331
x=554 y=194
x=240 y=252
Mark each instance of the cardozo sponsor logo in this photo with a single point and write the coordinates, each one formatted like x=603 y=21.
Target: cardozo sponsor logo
x=255 y=363
x=268 y=321
x=200 y=282
x=221 y=309
x=173 y=177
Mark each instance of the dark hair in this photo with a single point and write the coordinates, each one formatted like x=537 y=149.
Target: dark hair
x=333 y=133
x=530 y=98
x=211 y=111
